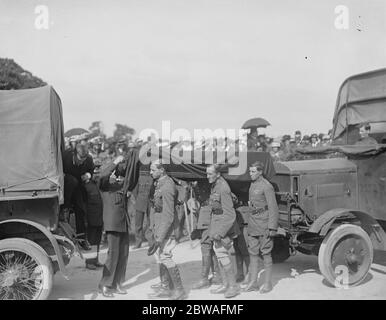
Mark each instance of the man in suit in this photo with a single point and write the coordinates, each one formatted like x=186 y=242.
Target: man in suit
x=116 y=225
x=142 y=209
x=78 y=168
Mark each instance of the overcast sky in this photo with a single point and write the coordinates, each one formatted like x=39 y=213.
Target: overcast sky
x=200 y=64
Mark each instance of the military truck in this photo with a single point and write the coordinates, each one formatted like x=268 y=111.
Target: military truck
x=34 y=242
x=335 y=208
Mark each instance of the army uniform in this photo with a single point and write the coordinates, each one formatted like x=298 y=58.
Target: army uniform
x=263 y=218
x=116 y=224
x=164 y=208
x=223 y=229
x=209 y=259
x=142 y=210
x=241 y=246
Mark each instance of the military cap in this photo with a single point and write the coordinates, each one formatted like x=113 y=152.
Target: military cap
x=297 y=132
x=306 y=137
x=258 y=165
x=314 y=135
x=275 y=144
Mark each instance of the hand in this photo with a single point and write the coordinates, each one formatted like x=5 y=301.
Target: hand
x=216 y=237
x=119 y=159
x=272 y=233
x=86 y=177
x=152 y=249
x=113 y=178
x=129 y=194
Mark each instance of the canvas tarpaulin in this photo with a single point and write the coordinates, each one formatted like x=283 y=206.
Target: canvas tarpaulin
x=239 y=183
x=31 y=138
x=361 y=99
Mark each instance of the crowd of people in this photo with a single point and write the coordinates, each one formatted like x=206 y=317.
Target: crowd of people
x=93 y=181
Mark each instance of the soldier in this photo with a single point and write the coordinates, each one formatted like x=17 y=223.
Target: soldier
x=164 y=206
x=262 y=227
x=209 y=259
x=142 y=198
x=223 y=229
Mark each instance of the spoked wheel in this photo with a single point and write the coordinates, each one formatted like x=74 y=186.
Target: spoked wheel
x=346 y=252
x=25 y=270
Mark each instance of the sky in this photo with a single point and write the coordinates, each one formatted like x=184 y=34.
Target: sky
x=198 y=64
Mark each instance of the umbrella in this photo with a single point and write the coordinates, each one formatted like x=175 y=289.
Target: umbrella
x=255 y=123
x=75 y=132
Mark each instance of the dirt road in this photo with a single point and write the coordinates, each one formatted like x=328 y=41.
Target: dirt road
x=297 y=278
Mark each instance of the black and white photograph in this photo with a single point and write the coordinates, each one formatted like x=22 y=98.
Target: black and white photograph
x=212 y=151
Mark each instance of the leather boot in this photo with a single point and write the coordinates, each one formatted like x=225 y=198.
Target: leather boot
x=216 y=279
x=233 y=287
x=158 y=285
x=267 y=287
x=224 y=285
x=178 y=291
x=164 y=290
x=239 y=268
x=204 y=281
x=253 y=274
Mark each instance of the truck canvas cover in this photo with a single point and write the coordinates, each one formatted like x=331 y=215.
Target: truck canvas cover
x=361 y=99
x=31 y=139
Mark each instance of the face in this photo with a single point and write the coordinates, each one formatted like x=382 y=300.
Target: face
x=211 y=174
x=255 y=173
x=81 y=151
x=155 y=172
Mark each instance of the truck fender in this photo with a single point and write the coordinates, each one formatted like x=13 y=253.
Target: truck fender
x=377 y=235
x=49 y=236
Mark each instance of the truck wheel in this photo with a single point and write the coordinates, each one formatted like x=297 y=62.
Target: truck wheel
x=25 y=270
x=345 y=255
x=280 y=251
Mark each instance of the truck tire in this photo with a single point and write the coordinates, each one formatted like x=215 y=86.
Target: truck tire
x=345 y=256
x=281 y=250
x=25 y=270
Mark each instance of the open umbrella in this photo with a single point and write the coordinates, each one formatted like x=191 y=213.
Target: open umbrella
x=75 y=132
x=255 y=123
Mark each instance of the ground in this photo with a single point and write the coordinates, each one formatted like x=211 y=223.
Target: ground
x=296 y=278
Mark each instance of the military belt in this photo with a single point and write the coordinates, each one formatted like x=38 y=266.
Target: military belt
x=259 y=210
x=217 y=212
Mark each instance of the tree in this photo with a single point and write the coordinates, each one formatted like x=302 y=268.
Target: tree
x=12 y=76
x=123 y=130
x=96 y=129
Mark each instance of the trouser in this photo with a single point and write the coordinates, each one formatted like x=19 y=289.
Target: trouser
x=261 y=245
x=165 y=253
x=114 y=270
x=223 y=250
x=241 y=251
x=74 y=196
x=142 y=230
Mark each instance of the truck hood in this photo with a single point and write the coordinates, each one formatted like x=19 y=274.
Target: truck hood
x=315 y=166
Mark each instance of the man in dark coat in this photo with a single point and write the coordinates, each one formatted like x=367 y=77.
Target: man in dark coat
x=78 y=167
x=94 y=217
x=116 y=225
